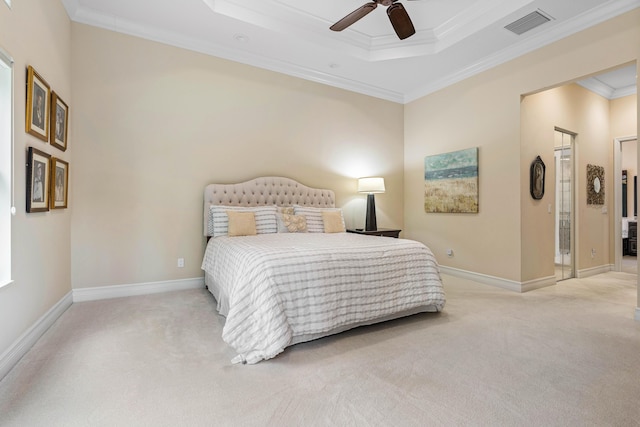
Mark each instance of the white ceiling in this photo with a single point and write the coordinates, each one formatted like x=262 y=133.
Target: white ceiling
x=454 y=39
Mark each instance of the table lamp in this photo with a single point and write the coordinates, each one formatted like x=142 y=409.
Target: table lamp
x=371 y=186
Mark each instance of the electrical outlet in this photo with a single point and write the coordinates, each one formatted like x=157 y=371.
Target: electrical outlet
x=449 y=253
x=180 y=262
x=593 y=253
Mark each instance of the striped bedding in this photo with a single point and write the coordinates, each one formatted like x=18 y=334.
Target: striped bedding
x=285 y=288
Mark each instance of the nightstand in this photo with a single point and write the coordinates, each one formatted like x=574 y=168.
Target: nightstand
x=386 y=232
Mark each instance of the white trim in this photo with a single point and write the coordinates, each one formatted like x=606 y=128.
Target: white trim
x=119 y=291
x=499 y=282
x=23 y=344
x=594 y=16
x=541 y=282
x=617 y=200
x=581 y=22
x=592 y=271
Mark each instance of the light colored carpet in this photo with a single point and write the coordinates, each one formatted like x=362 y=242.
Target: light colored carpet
x=568 y=355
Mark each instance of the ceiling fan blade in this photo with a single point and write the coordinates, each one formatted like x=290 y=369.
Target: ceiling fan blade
x=354 y=16
x=400 y=20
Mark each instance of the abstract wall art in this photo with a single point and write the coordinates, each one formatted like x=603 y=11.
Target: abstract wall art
x=451 y=182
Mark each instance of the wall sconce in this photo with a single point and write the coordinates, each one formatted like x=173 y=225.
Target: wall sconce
x=371 y=186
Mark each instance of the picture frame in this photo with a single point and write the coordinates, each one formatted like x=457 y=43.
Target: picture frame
x=59 y=122
x=38 y=178
x=38 y=98
x=537 y=176
x=451 y=182
x=59 y=191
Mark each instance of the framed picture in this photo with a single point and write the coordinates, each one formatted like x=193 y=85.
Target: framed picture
x=59 y=122
x=37 y=119
x=59 y=183
x=451 y=182
x=536 y=184
x=38 y=178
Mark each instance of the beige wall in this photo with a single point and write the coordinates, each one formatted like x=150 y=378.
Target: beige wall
x=154 y=124
x=623 y=125
x=36 y=33
x=623 y=116
x=579 y=111
x=484 y=112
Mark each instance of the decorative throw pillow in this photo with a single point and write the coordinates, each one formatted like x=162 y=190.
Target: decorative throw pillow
x=265 y=217
x=288 y=223
x=315 y=224
x=242 y=223
x=333 y=222
x=288 y=210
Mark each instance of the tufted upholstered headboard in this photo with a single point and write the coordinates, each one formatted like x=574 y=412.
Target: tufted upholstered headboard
x=268 y=190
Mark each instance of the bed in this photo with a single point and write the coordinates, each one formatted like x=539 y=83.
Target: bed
x=283 y=270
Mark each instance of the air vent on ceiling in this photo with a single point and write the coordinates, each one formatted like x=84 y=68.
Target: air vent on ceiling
x=528 y=22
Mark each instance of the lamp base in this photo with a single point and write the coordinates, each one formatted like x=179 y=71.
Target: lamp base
x=370 y=223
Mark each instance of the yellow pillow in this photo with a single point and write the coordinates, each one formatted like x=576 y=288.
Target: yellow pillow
x=332 y=221
x=242 y=223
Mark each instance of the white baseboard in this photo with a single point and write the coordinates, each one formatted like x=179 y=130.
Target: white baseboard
x=22 y=345
x=542 y=282
x=119 y=291
x=588 y=272
x=499 y=282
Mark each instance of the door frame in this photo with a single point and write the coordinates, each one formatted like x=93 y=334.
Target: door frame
x=617 y=202
x=573 y=234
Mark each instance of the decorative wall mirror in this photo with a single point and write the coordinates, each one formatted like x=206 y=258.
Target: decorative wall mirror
x=595 y=185
x=537 y=178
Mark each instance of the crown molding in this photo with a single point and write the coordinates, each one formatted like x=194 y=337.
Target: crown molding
x=583 y=21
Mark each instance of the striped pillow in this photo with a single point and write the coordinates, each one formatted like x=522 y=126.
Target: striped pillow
x=315 y=224
x=219 y=220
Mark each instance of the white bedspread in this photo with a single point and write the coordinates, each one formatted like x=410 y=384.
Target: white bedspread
x=283 y=286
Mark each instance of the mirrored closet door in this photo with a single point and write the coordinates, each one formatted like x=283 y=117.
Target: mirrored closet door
x=563 y=161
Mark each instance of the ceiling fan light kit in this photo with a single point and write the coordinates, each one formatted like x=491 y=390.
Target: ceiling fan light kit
x=398 y=16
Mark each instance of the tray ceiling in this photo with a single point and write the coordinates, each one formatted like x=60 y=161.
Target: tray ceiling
x=454 y=39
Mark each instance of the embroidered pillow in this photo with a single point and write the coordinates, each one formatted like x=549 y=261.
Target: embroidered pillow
x=288 y=223
x=288 y=210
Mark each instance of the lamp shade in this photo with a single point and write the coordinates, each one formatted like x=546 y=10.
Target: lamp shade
x=371 y=185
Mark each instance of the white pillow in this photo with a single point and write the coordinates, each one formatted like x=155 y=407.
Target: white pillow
x=219 y=220
x=315 y=224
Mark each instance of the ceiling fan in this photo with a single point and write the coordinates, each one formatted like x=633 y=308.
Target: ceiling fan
x=397 y=15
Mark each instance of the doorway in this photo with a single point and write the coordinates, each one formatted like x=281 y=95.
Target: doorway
x=564 y=213
x=625 y=224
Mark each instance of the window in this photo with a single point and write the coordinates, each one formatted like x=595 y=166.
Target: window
x=6 y=164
